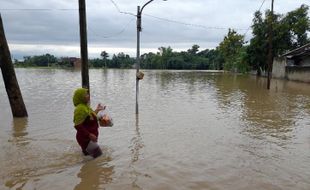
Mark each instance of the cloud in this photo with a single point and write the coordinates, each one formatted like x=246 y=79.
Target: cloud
x=34 y=27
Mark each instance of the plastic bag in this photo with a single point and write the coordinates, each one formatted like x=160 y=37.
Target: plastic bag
x=105 y=120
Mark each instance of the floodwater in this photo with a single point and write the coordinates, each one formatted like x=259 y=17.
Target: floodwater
x=195 y=130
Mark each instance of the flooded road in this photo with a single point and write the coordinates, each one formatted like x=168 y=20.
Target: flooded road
x=195 y=130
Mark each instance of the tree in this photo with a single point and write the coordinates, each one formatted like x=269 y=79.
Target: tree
x=166 y=54
x=121 y=60
x=230 y=48
x=97 y=63
x=289 y=32
x=257 y=50
x=299 y=24
x=41 y=60
x=215 y=59
x=193 y=50
x=104 y=56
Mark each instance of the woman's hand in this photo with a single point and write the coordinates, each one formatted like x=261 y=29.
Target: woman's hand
x=92 y=137
x=99 y=108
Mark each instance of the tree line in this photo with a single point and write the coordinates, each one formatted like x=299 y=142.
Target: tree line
x=290 y=31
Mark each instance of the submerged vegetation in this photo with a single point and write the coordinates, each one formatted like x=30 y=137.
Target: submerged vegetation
x=233 y=53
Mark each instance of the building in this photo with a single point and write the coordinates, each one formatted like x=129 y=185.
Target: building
x=72 y=61
x=293 y=65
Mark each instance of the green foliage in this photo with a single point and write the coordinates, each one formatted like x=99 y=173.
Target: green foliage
x=97 y=63
x=104 y=56
x=41 y=60
x=241 y=63
x=166 y=58
x=194 y=50
x=230 y=49
x=121 y=60
x=214 y=57
x=298 y=23
x=289 y=32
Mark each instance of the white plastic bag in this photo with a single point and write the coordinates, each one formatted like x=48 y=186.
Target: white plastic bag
x=105 y=120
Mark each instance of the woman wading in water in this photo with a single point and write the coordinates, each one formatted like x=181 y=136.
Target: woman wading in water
x=86 y=123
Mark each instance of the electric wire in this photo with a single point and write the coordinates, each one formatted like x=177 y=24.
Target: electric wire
x=193 y=25
x=121 y=31
x=131 y=14
x=28 y=9
x=251 y=25
x=119 y=10
x=111 y=35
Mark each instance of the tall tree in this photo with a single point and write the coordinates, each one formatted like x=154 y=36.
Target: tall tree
x=258 y=44
x=10 y=81
x=299 y=24
x=104 y=56
x=289 y=32
x=230 y=48
x=166 y=53
x=194 y=50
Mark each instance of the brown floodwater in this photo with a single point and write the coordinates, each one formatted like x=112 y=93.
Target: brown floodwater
x=195 y=130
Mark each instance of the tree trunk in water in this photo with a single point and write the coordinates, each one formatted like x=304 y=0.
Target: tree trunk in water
x=11 y=85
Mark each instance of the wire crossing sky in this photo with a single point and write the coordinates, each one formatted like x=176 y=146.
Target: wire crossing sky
x=37 y=27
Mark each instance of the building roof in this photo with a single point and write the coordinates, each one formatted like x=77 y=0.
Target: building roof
x=301 y=51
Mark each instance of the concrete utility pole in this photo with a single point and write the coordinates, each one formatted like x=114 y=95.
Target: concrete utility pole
x=83 y=43
x=138 y=56
x=139 y=28
x=10 y=81
x=270 y=48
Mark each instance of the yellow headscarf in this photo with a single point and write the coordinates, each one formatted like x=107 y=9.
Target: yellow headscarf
x=82 y=109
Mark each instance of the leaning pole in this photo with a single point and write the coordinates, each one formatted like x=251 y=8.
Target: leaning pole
x=10 y=81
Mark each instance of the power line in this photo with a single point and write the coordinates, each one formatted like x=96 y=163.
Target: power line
x=128 y=13
x=121 y=31
x=258 y=10
x=119 y=10
x=26 y=9
x=168 y=20
x=193 y=25
x=112 y=35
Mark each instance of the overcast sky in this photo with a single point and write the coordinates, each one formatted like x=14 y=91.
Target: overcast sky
x=35 y=27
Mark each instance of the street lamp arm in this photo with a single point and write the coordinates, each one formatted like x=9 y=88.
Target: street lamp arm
x=145 y=5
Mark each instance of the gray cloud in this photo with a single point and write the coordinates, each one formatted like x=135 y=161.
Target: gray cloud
x=202 y=22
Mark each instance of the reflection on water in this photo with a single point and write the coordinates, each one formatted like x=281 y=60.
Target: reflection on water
x=136 y=143
x=135 y=148
x=195 y=130
x=264 y=113
x=95 y=173
x=19 y=132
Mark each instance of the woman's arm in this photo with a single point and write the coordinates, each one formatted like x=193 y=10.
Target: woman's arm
x=82 y=129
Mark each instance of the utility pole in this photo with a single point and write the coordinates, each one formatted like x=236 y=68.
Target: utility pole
x=139 y=28
x=10 y=81
x=83 y=44
x=138 y=56
x=270 y=48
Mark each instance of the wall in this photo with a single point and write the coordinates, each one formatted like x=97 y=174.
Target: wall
x=278 y=67
x=298 y=73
